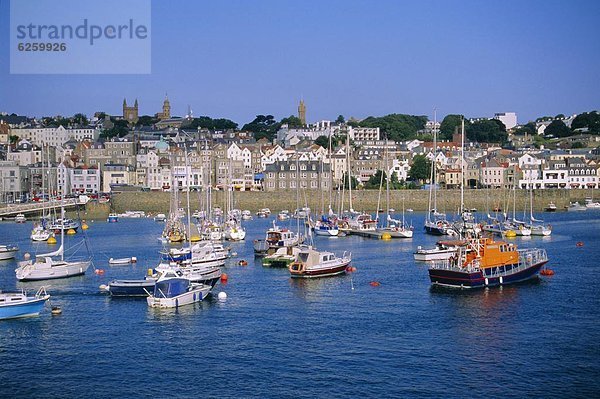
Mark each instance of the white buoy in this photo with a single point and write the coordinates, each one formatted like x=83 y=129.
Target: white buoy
x=27 y=256
x=222 y=296
x=104 y=287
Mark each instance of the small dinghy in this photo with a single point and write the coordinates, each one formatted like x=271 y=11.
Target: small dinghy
x=122 y=261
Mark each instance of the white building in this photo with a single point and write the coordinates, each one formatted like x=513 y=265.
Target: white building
x=508 y=118
x=84 y=180
x=56 y=136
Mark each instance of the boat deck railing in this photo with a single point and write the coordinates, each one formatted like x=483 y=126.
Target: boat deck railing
x=527 y=258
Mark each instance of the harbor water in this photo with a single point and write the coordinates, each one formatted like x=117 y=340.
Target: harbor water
x=337 y=337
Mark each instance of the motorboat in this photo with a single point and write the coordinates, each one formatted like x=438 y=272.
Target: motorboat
x=283 y=215
x=576 y=206
x=112 y=218
x=15 y=305
x=396 y=228
x=160 y=217
x=591 y=204
x=263 y=213
x=277 y=237
x=326 y=227
x=484 y=262
x=63 y=224
x=41 y=233
x=282 y=257
x=8 y=251
x=311 y=263
x=171 y=291
x=246 y=215
x=20 y=218
x=442 y=250
x=551 y=207
x=132 y=214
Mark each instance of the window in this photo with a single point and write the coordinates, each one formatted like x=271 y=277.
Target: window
x=282 y=184
x=292 y=167
x=313 y=184
x=303 y=167
x=282 y=175
x=303 y=175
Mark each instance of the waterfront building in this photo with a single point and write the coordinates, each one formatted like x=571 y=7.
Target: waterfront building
x=117 y=175
x=84 y=180
x=293 y=173
x=14 y=181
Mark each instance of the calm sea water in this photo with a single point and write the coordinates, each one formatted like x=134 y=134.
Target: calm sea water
x=334 y=337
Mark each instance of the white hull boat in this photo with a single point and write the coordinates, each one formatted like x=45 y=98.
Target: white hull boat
x=8 y=251
x=175 y=292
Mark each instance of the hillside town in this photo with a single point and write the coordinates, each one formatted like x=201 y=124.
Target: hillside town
x=72 y=157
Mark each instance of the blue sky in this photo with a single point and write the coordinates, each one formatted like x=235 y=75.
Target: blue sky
x=236 y=59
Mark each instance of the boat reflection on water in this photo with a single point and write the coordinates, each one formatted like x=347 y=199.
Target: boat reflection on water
x=169 y=315
x=319 y=288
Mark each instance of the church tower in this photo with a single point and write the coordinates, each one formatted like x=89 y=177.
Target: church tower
x=302 y=112
x=166 y=110
x=130 y=114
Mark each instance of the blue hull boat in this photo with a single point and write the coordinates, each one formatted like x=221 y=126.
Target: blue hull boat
x=15 y=305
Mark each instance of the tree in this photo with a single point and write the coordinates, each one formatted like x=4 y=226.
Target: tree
x=146 y=120
x=420 y=169
x=590 y=120
x=340 y=119
x=487 y=131
x=529 y=129
x=262 y=126
x=13 y=139
x=449 y=124
x=374 y=181
x=292 y=122
x=394 y=183
x=397 y=127
x=119 y=129
x=205 y=122
x=80 y=119
x=323 y=141
x=557 y=128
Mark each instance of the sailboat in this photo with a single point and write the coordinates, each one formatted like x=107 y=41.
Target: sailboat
x=232 y=228
x=395 y=228
x=435 y=222
x=466 y=225
x=51 y=265
x=40 y=231
x=327 y=224
x=174 y=231
x=537 y=226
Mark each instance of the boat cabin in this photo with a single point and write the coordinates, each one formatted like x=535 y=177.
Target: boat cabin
x=490 y=253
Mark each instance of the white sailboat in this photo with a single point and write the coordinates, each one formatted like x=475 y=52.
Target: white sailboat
x=51 y=265
x=40 y=231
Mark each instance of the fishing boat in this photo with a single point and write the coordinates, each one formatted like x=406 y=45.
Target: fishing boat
x=311 y=263
x=551 y=207
x=15 y=305
x=442 y=250
x=277 y=237
x=8 y=251
x=112 y=218
x=51 y=265
x=171 y=291
x=484 y=262
x=20 y=218
x=282 y=257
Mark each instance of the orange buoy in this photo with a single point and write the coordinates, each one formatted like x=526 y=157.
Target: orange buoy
x=243 y=263
x=353 y=269
x=99 y=272
x=547 y=272
x=224 y=277
x=580 y=244
x=374 y=283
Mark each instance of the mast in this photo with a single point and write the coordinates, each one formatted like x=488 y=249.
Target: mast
x=462 y=166
x=330 y=172
x=349 y=175
x=187 y=181
x=433 y=163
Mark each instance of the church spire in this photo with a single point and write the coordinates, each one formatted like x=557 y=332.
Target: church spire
x=302 y=112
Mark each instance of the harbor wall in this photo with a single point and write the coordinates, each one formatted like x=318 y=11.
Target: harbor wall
x=362 y=200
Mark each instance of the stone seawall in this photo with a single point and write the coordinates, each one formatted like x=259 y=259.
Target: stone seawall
x=367 y=200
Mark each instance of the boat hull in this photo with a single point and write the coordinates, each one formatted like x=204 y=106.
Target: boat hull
x=187 y=298
x=321 y=272
x=478 y=279
x=52 y=272
x=8 y=254
x=29 y=308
